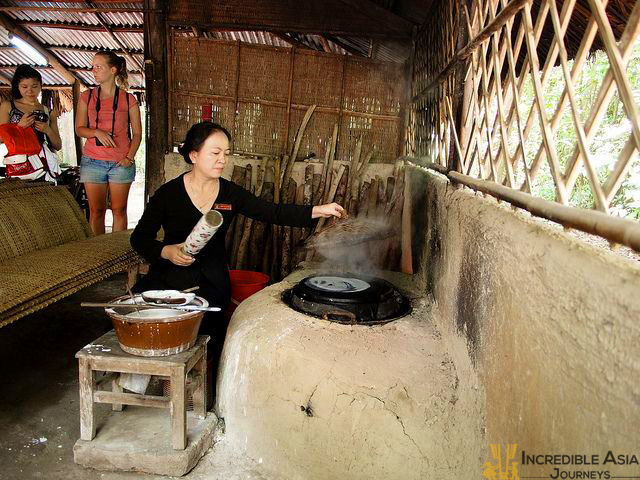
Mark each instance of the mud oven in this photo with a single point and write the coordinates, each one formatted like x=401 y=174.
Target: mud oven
x=369 y=391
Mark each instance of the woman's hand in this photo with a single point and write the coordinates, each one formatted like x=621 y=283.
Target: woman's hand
x=42 y=127
x=105 y=138
x=126 y=161
x=26 y=121
x=328 y=210
x=175 y=255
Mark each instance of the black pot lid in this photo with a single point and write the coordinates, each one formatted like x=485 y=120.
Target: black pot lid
x=347 y=298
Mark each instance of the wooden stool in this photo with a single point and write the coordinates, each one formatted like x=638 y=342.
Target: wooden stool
x=105 y=355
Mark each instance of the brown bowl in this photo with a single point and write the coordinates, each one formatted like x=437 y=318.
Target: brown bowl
x=155 y=332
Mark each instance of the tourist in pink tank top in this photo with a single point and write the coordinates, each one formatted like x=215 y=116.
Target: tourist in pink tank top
x=109 y=118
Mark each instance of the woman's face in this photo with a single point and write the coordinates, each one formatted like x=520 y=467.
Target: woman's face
x=29 y=89
x=102 y=72
x=212 y=156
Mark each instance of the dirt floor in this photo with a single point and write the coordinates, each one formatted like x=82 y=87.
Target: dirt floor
x=39 y=403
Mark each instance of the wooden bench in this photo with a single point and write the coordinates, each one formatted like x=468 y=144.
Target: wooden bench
x=47 y=251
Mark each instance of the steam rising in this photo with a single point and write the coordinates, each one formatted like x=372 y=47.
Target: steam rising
x=356 y=245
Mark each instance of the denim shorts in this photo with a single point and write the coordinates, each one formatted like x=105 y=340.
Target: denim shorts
x=101 y=171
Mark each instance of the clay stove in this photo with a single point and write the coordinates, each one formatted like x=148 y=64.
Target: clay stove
x=315 y=399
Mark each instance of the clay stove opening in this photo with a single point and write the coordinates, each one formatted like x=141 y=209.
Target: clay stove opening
x=348 y=298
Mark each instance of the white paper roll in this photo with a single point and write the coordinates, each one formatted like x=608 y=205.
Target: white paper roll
x=202 y=232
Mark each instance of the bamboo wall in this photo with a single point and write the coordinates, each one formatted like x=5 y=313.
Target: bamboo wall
x=488 y=130
x=270 y=89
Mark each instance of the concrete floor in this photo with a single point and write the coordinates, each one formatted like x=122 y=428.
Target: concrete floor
x=39 y=402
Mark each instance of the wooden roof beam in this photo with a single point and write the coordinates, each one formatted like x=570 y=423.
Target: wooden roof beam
x=61 y=48
x=325 y=44
x=78 y=26
x=140 y=2
x=290 y=40
x=345 y=46
x=380 y=14
x=240 y=26
x=109 y=30
x=12 y=28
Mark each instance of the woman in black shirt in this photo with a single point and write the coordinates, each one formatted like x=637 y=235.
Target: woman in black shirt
x=179 y=204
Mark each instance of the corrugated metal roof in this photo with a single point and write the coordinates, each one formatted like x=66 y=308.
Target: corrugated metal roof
x=384 y=51
x=13 y=56
x=49 y=75
x=62 y=13
x=83 y=38
x=52 y=37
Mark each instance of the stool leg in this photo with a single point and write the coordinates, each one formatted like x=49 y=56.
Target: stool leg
x=87 y=386
x=200 y=393
x=116 y=388
x=178 y=408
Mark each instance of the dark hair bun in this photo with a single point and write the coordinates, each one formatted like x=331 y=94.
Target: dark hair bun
x=197 y=135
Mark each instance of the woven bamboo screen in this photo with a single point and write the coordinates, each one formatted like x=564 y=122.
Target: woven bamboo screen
x=510 y=128
x=261 y=94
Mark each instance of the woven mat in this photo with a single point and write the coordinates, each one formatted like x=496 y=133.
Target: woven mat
x=30 y=282
x=54 y=295
x=7 y=184
x=36 y=216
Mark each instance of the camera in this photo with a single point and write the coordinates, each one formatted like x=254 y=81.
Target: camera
x=40 y=116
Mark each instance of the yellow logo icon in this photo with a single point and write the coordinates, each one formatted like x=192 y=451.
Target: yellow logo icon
x=495 y=472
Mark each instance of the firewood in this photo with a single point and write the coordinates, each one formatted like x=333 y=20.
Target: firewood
x=288 y=166
x=373 y=197
x=260 y=234
x=352 y=208
x=342 y=187
x=308 y=185
x=285 y=265
x=246 y=233
x=363 y=200
x=241 y=220
x=275 y=230
x=237 y=177
x=329 y=165
x=332 y=193
x=297 y=232
x=391 y=182
x=316 y=188
x=381 y=201
x=357 y=180
x=307 y=192
x=353 y=171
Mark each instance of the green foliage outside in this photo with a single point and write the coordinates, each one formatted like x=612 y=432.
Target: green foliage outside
x=613 y=133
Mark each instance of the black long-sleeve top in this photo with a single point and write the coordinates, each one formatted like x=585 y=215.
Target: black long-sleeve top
x=172 y=209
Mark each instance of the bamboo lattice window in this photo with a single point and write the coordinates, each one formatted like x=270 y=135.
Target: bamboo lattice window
x=261 y=94
x=534 y=106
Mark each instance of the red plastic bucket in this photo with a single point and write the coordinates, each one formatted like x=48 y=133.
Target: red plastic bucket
x=244 y=283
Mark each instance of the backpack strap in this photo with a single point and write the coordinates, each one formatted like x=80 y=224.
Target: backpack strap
x=129 y=134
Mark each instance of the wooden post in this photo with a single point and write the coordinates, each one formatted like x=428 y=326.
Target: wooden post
x=76 y=98
x=155 y=49
x=87 y=386
x=178 y=408
x=200 y=393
